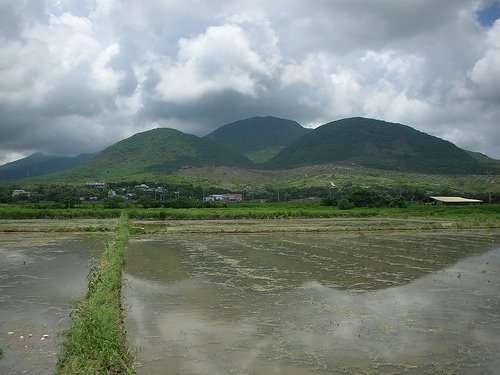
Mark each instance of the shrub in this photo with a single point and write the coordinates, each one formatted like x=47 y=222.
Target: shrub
x=345 y=204
x=398 y=202
x=182 y=202
x=329 y=201
x=369 y=198
x=114 y=202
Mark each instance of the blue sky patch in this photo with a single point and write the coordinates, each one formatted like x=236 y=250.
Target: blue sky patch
x=488 y=16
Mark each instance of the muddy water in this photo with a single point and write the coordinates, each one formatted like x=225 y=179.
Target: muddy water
x=39 y=277
x=315 y=304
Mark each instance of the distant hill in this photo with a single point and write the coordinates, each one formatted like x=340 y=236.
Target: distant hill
x=159 y=150
x=258 y=138
x=39 y=164
x=383 y=145
x=360 y=142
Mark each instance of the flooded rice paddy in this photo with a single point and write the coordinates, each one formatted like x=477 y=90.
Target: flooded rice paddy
x=314 y=303
x=40 y=274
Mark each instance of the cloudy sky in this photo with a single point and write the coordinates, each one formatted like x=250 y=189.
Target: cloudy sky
x=76 y=76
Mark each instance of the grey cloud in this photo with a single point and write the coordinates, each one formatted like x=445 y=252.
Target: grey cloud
x=77 y=76
x=16 y=15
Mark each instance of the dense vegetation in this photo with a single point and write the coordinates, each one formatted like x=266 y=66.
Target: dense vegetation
x=96 y=341
x=380 y=144
x=365 y=198
x=258 y=138
x=157 y=151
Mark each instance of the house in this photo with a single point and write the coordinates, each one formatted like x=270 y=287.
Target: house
x=142 y=187
x=232 y=197
x=444 y=201
x=227 y=198
x=213 y=198
x=21 y=193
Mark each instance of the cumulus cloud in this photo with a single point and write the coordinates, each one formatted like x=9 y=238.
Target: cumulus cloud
x=220 y=59
x=486 y=71
x=76 y=76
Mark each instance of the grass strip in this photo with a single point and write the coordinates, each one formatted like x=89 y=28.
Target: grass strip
x=485 y=213
x=96 y=341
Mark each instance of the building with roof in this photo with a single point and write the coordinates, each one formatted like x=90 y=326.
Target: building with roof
x=227 y=198
x=444 y=201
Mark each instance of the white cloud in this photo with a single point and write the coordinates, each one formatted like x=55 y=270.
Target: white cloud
x=195 y=65
x=486 y=72
x=222 y=58
x=104 y=78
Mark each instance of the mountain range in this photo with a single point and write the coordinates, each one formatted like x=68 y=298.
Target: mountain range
x=39 y=164
x=265 y=143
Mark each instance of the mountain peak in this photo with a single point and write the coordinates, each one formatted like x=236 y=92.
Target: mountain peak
x=159 y=150
x=260 y=137
x=377 y=144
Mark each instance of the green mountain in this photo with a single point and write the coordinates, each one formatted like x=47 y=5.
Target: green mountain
x=39 y=164
x=358 y=142
x=382 y=145
x=258 y=138
x=158 y=151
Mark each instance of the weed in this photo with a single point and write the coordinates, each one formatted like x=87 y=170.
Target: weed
x=96 y=342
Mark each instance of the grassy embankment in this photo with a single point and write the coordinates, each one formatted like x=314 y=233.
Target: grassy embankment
x=457 y=217
x=96 y=342
x=11 y=211
x=283 y=218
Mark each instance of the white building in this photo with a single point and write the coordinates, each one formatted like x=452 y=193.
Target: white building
x=224 y=198
x=21 y=193
x=214 y=198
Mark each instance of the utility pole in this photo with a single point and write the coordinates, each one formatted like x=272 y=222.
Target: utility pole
x=489 y=193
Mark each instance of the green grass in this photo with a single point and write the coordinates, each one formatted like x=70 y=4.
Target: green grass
x=96 y=341
x=489 y=214
x=486 y=216
x=19 y=212
x=55 y=229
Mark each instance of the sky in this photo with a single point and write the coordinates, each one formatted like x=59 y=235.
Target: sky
x=77 y=76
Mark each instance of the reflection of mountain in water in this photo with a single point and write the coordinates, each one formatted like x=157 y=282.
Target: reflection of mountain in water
x=429 y=304
x=273 y=262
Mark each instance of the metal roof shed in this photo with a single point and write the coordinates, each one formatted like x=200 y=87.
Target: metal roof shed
x=454 y=201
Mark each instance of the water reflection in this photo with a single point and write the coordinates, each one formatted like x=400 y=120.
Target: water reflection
x=39 y=276
x=276 y=304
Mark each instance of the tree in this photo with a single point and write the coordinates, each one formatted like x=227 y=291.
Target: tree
x=113 y=202
x=345 y=204
x=369 y=198
x=147 y=201
x=69 y=201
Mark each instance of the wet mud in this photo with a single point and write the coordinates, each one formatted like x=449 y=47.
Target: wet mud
x=315 y=303
x=40 y=275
